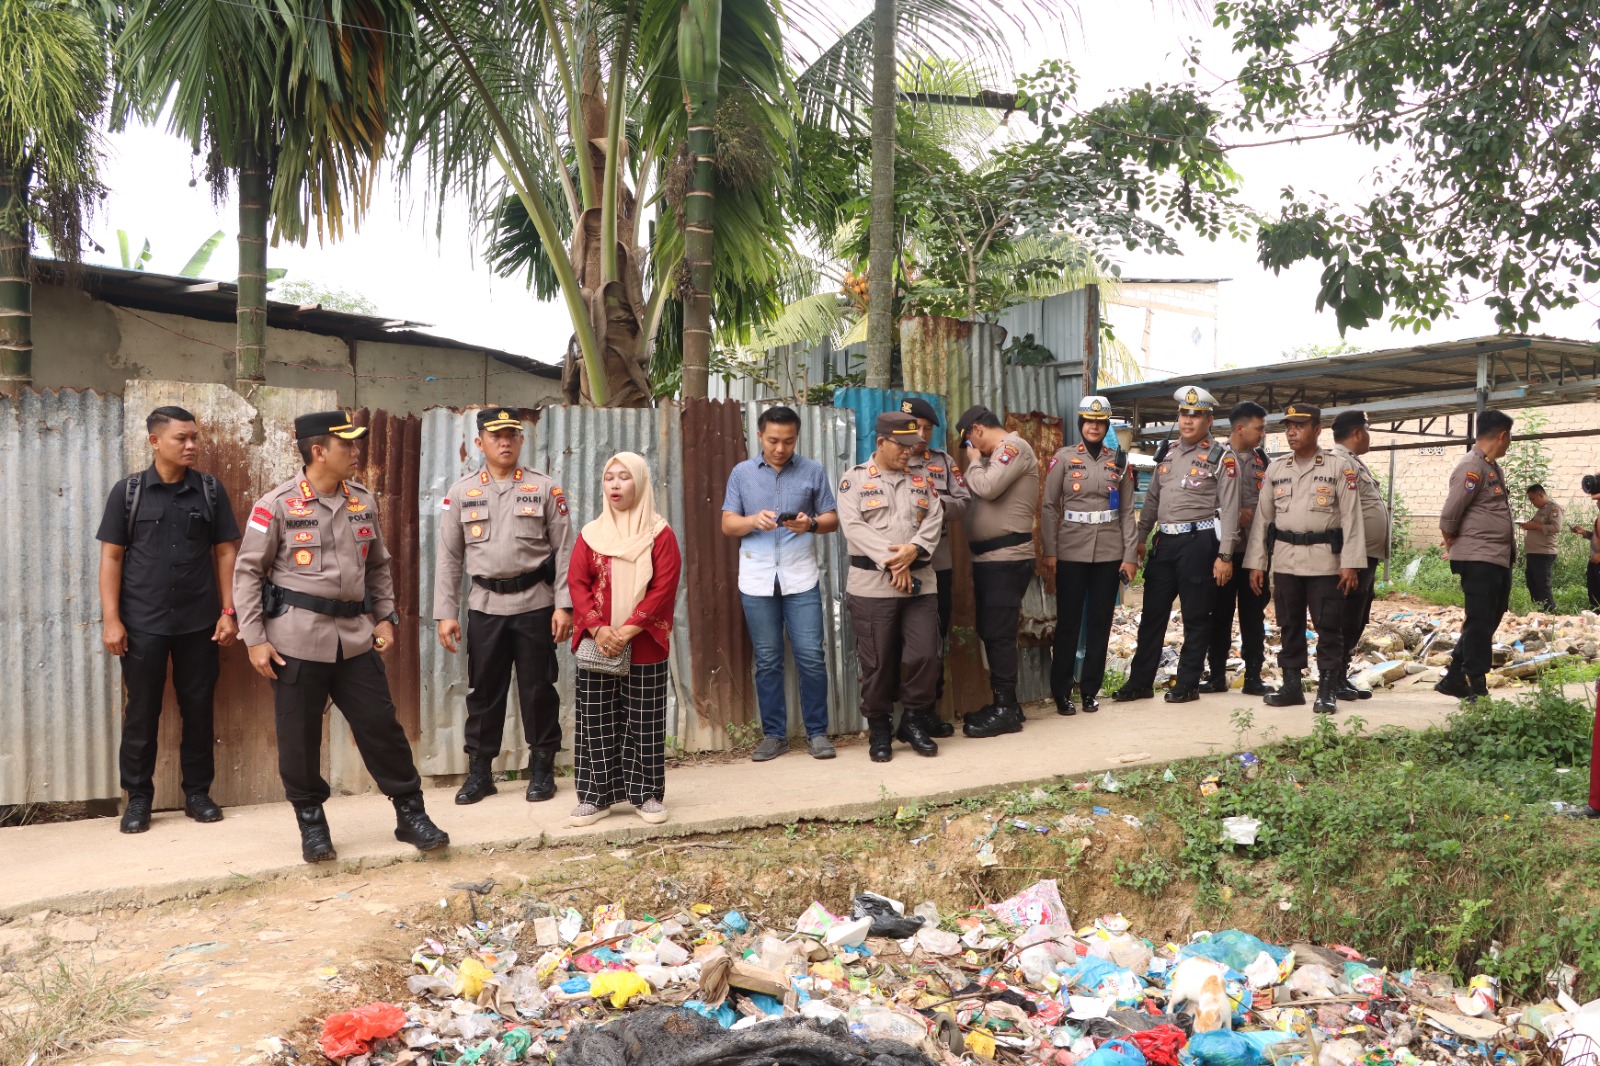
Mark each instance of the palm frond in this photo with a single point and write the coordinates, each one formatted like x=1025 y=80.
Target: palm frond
x=805 y=321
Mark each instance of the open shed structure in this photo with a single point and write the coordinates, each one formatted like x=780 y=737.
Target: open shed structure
x=1432 y=392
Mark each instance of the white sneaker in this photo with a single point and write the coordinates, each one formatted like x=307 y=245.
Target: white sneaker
x=587 y=814
x=652 y=811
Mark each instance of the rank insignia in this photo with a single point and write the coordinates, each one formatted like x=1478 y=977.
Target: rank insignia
x=303 y=557
x=304 y=538
x=867 y=505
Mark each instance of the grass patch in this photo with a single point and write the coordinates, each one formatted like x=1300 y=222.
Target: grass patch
x=63 y=1007
x=1434 y=583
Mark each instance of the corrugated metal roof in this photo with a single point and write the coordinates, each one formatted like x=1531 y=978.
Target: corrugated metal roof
x=828 y=435
x=61 y=451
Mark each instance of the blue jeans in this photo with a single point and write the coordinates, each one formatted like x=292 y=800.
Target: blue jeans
x=801 y=614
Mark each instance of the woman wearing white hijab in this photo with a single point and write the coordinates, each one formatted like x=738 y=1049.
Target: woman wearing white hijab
x=624 y=581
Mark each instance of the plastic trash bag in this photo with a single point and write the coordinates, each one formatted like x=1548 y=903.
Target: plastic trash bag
x=1220 y=1047
x=620 y=985
x=887 y=921
x=1116 y=1053
x=665 y=1036
x=352 y=1032
x=1234 y=948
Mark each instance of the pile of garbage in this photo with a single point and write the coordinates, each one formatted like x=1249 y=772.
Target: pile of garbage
x=1411 y=642
x=1013 y=982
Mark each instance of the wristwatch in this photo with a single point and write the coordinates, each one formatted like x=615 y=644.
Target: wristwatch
x=1225 y=557
x=393 y=618
x=813 y=528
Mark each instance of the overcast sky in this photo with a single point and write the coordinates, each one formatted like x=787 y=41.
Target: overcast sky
x=406 y=268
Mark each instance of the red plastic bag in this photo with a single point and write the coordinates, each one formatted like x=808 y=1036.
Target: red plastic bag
x=351 y=1033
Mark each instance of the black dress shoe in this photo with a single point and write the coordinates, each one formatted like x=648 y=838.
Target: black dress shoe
x=1287 y=696
x=1326 y=702
x=993 y=721
x=1182 y=695
x=136 y=816
x=1254 y=686
x=541 y=776
x=479 y=784
x=1090 y=705
x=413 y=826
x=201 y=808
x=1453 y=685
x=880 y=741
x=935 y=726
x=912 y=733
x=1214 y=684
x=1128 y=693
x=1064 y=706
x=316 y=843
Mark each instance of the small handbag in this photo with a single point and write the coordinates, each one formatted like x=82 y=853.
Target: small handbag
x=590 y=657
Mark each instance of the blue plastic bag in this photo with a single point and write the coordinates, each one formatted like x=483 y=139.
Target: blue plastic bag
x=1092 y=976
x=1220 y=1047
x=1234 y=949
x=724 y=1015
x=1115 y=1053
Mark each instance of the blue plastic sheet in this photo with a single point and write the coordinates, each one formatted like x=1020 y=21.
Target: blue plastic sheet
x=724 y=1015
x=1235 y=949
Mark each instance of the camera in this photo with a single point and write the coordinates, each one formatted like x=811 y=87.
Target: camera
x=1591 y=483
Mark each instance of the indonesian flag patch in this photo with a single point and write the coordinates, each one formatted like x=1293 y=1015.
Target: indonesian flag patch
x=444 y=504
x=260 y=519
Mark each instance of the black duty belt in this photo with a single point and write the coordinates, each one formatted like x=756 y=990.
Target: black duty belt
x=1332 y=537
x=544 y=575
x=864 y=562
x=1004 y=540
x=275 y=599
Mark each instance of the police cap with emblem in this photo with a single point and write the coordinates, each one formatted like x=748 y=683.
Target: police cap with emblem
x=1095 y=408
x=491 y=419
x=327 y=424
x=898 y=426
x=1302 y=412
x=917 y=407
x=1193 y=399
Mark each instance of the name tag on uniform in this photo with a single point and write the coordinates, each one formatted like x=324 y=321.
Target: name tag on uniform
x=301 y=523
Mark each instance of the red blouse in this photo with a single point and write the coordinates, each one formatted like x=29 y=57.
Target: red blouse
x=589 y=582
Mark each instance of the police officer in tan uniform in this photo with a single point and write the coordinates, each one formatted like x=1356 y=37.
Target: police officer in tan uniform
x=1003 y=474
x=315 y=596
x=1245 y=459
x=944 y=474
x=892 y=521
x=508 y=526
x=1089 y=528
x=1309 y=531
x=1482 y=544
x=1539 y=547
x=1193 y=500
x=1351 y=441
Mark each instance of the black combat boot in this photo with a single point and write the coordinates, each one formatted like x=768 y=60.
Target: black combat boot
x=880 y=741
x=1254 y=686
x=1216 y=682
x=1292 y=694
x=1000 y=717
x=316 y=843
x=1327 y=701
x=479 y=784
x=541 y=775
x=1454 y=684
x=935 y=726
x=1183 y=694
x=912 y=733
x=413 y=826
x=1130 y=692
x=136 y=815
x=1347 y=690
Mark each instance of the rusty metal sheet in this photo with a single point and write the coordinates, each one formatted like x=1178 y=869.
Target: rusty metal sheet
x=828 y=435
x=61 y=710
x=721 y=658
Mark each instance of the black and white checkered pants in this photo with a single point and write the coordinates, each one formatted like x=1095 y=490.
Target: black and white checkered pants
x=620 y=752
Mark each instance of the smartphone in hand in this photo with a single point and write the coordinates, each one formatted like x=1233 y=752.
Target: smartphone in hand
x=787 y=516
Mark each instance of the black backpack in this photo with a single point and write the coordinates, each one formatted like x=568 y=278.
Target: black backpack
x=133 y=488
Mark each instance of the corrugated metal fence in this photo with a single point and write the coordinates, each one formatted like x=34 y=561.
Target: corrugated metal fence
x=61 y=716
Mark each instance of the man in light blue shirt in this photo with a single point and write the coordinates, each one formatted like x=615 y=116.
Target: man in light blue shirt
x=774 y=505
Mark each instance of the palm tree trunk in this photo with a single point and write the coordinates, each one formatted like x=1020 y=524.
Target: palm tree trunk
x=250 y=315
x=880 y=233
x=700 y=59
x=16 y=295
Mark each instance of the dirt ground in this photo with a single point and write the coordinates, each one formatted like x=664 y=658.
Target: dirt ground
x=271 y=959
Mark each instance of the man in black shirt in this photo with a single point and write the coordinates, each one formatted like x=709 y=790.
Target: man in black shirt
x=168 y=541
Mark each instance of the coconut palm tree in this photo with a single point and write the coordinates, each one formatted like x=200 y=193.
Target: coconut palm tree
x=567 y=122
x=53 y=67
x=291 y=99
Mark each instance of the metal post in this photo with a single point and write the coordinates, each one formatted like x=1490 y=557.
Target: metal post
x=1390 y=552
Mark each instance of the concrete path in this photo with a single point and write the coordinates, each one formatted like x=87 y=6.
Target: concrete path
x=79 y=866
